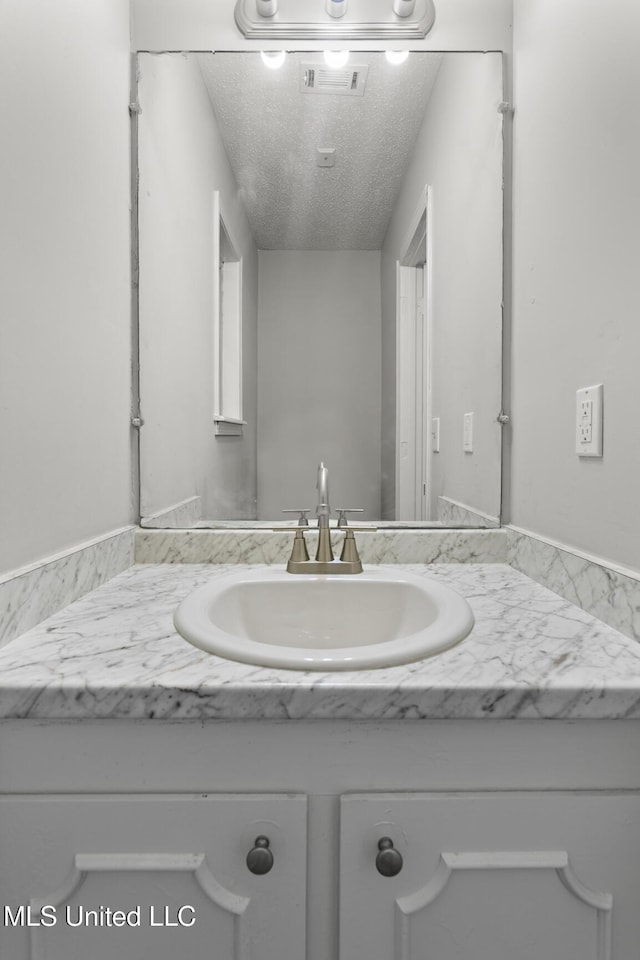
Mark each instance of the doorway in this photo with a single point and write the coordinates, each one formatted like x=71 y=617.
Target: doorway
x=413 y=379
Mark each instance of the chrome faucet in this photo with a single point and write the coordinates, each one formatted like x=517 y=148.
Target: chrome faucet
x=325 y=562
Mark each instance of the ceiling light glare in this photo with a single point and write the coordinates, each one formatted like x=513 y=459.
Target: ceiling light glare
x=273 y=58
x=396 y=57
x=336 y=58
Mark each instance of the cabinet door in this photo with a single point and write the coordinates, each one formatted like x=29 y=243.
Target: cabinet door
x=490 y=877
x=152 y=878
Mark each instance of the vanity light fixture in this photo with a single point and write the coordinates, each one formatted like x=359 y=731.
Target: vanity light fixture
x=396 y=57
x=336 y=58
x=267 y=8
x=335 y=19
x=273 y=58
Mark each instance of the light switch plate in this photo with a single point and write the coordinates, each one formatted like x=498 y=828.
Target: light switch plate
x=467 y=438
x=435 y=434
x=589 y=406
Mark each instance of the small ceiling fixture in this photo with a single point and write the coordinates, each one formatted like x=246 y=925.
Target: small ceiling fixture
x=273 y=58
x=325 y=156
x=335 y=19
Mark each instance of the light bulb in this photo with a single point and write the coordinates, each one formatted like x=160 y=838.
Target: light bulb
x=336 y=8
x=336 y=58
x=396 y=56
x=273 y=58
x=403 y=8
x=267 y=8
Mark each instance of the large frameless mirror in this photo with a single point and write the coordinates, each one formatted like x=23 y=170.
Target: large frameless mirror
x=323 y=244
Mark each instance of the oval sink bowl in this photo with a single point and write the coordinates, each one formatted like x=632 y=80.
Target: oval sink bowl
x=272 y=618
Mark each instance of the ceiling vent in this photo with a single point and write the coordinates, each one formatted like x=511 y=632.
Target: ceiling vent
x=346 y=82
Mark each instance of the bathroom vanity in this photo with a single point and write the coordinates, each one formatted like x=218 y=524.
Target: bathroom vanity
x=484 y=803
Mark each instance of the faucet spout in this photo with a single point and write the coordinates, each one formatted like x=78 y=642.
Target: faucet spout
x=323 y=510
x=324 y=553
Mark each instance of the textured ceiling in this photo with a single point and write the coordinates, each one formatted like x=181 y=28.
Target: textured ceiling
x=272 y=130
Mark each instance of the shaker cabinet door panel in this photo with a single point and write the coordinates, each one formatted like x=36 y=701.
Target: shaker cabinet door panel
x=153 y=878
x=490 y=876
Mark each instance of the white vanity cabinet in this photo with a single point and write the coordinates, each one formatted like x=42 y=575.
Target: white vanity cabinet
x=519 y=840
x=162 y=877
x=490 y=876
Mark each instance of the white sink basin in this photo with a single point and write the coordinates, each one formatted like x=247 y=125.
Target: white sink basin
x=307 y=622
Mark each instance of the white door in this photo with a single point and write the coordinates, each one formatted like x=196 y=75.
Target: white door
x=153 y=878
x=413 y=359
x=490 y=876
x=412 y=396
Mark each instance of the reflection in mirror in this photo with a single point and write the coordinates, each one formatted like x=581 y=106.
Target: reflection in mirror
x=350 y=222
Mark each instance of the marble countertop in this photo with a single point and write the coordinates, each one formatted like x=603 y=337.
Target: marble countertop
x=115 y=654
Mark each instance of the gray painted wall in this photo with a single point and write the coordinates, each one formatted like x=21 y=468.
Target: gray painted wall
x=576 y=296
x=65 y=341
x=182 y=162
x=459 y=155
x=319 y=379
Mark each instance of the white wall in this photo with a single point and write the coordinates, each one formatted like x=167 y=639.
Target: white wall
x=459 y=154
x=65 y=389
x=576 y=293
x=64 y=357
x=319 y=379
x=182 y=162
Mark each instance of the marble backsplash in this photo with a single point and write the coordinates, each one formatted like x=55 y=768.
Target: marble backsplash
x=603 y=591
x=454 y=514
x=599 y=589
x=375 y=546
x=187 y=514
x=31 y=594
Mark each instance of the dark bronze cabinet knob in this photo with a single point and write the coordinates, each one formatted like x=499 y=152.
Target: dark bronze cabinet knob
x=260 y=858
x=389 y=860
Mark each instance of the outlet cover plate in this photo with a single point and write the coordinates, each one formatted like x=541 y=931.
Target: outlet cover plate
x=589 y=405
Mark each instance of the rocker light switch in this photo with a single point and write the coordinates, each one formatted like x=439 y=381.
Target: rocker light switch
x=435 y=434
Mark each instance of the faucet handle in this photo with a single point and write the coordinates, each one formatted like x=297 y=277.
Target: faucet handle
x=302 y=519
x=342 y=514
